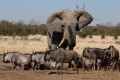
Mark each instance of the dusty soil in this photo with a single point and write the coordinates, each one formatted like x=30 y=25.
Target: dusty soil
x=32 y=43
x=7 y=74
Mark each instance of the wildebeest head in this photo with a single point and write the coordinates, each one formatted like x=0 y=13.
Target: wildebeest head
x=7 y=57
x=38 y=57
x=4 y=57
x=86 y=52
x=110 y=52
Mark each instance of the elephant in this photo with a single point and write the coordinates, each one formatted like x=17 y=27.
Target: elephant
x=62 y=27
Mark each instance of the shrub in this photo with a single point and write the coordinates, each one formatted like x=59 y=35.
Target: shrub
x=90 y=36
x=21 y=29
x=115 y=37
x=118 y=42
x=102 y=36
x=82 y=34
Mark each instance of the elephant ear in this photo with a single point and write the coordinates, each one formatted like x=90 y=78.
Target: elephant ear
x=55 y=18
x=54 y=22
x=83 y=18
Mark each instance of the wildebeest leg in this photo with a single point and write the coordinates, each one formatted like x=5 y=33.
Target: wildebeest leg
x=23 y=67
x=105 y=67
x=69 y=66
x=77 y=69
x=57 y=67
x=95 y=63
x=84 y=67
x=116 y=62
x=114 y=65
x=14 y=67
x=61 y=67
x=29 y=66
x=35 y=66
x=99 y=66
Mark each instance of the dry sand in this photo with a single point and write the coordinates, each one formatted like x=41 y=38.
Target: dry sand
x=39 y=43
x=6 y=73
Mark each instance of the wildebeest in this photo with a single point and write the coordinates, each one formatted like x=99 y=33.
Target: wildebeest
x=114 y=56
x=118 y=65
x=103 y=63
x=86 y=63
x=8 y=56
x=23 y=60
x=38 y=60
x=80 y=62
x=61 y=56
x=94 y=53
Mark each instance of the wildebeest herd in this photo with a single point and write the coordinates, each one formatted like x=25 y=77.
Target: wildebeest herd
x=61 y=59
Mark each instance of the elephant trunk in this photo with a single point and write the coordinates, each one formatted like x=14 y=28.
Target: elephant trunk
x=70 y=36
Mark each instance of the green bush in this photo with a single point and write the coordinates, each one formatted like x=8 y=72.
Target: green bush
x=115 y=37
x=21 y=29
x=102 y=36
x=82 y=34
x=90 y=36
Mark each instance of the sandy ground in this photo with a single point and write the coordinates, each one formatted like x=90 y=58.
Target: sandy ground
x=7 y=74
x=38 y=43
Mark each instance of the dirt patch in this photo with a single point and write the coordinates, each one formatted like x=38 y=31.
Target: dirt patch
x=6 y=73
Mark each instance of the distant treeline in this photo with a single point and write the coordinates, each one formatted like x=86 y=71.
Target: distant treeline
x=21 y=29
x=103 y=30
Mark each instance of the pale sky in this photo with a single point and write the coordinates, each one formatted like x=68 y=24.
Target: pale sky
x=26 y=10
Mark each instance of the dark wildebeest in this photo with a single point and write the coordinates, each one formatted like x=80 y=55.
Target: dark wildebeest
x=60 y=56
x=94 y=54
x=102 y=63
x=80 y=62
x=114 y=56
x=118 y=65
x=38 y=60
x=23 y=60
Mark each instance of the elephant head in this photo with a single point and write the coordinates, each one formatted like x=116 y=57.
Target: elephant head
x=64 y=25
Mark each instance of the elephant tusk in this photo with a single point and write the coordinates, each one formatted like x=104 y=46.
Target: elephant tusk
x=63 y=39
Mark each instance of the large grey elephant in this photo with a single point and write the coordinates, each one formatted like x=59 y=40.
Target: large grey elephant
x=63 y=26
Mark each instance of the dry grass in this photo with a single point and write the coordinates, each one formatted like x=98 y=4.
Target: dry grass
x=39 y=43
